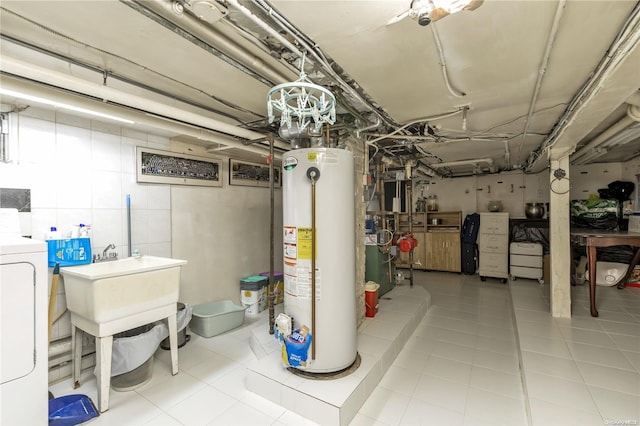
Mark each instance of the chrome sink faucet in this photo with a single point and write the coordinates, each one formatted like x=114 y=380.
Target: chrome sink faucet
x=109 y=247
x=105 y=255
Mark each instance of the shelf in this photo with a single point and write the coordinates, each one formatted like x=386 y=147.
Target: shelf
x=438 y=245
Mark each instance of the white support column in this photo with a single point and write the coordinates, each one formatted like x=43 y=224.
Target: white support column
x=559 y=236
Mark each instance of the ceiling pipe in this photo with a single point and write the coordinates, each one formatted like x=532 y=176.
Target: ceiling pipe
x=632 y=116
x=507 y=154
x=625 y=41
x=139 y=117
x=634 y=99
x=443 y=65
x=209 y=35
x=541 y=71
x=374 y=125
x=159 y=19
x=462 y=162
x=57 y=79
x=310 y=51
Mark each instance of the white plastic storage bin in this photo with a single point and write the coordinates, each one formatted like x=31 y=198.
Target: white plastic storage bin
x=526 y=261
x=217 y=317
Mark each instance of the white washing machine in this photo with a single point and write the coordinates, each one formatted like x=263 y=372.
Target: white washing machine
x=23 y=322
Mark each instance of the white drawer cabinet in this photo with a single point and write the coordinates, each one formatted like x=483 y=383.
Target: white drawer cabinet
x=526 y=260
x=493 y=246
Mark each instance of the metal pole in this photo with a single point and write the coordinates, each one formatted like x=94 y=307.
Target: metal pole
x=313 y=269
x=410 y=208
x=129 y=224
x=313 y=174
x=271 y=294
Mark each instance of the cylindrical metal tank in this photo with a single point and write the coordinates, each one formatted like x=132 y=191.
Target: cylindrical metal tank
x=335 y=307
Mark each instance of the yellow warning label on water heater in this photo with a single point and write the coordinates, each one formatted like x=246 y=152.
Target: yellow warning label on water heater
x=304 y=243
x=312 y=157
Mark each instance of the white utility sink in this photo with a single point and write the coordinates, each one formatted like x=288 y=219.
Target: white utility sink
x=111 y=297
x=107 y=291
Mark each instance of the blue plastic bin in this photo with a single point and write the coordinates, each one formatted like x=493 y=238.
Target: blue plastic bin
x=71 y=410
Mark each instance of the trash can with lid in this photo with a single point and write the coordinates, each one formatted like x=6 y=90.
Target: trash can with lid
x=371 y=298
x=253 y=294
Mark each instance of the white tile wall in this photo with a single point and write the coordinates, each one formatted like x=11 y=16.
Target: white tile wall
x=80 y=171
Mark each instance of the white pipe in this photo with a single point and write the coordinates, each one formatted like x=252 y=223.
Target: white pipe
x=59 y=348
x=420 y=120
x=54 y=78
x=443 y=65
x=165 y=124
x=590 y=156
x=259 y=22
x=541 y=71
x=507 y=154
x=634 y=99
x=624 y=43
x=462 y=162
x=210 y=35
x=366 y=145
x=286 y=43
x=633 y=115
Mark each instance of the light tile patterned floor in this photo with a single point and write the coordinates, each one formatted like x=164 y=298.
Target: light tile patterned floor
x=462 y=366
x=581 y=370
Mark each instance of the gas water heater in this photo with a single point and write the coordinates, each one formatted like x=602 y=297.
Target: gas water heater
x=318 y=207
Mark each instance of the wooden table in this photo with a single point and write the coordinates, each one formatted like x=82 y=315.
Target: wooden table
x=593 y=238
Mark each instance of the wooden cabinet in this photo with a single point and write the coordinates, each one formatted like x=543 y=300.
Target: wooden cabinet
x=493 y=245
x=443 y=250
x=438 y=235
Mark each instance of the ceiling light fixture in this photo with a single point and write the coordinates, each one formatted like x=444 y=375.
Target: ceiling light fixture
x=590 y=156
x=428 y=11
x=61 y=105
x=624 y=137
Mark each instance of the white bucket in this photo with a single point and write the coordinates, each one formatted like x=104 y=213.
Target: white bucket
x=254 y=300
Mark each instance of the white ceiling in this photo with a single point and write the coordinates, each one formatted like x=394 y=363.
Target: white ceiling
x=206 y=80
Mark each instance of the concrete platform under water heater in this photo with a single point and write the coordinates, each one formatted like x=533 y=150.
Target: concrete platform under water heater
x=337 y=401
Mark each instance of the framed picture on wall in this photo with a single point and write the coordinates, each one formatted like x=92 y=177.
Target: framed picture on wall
x=252 y=174
x=157 y=166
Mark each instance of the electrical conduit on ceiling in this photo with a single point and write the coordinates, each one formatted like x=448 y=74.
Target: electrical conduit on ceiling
x=187 y=36
x=286 y=43
x=541 y=72
x=443 y=65
x=208 y=34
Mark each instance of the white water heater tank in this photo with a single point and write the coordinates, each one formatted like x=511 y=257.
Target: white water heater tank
x=334 y=334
